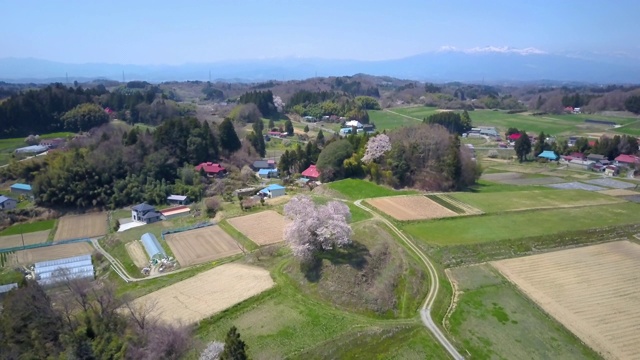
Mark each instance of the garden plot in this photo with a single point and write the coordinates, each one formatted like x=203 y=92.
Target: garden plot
x=37 y=237
x=26 y=257
x=413 y=207
x=502 y=176
x=81 y=226
x=576 y=186
x=137 y=254
x=593 y=291
x=612 y=183
x=202 y=245
x=533 y=181
x=207 y=293
x=263 y=228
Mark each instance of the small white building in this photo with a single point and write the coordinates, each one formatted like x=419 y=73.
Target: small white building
x=355 y=123
x=177 y=199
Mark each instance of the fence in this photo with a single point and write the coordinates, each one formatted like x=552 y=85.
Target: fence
x=45 y=244
x=185 y=228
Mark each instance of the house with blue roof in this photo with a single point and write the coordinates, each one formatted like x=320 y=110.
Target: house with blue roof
x=268 y=173
x=21 y=189
x=272 y=191
x=549 y=155
x=7 y=203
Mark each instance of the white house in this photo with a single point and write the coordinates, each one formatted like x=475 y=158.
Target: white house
x=355 y=123
x=145 y=213
x=7 y=203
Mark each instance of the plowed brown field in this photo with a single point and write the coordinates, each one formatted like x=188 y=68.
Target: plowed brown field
x=37 y=237
x=593 y=291
x=26 y=257
x=81 y=226
x=414 y=207
x=263 y=228
x=202 y=245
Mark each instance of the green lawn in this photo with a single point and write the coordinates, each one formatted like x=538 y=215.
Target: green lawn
x=493 y=320
x=485 y=186
x=632 y=128
x=388 y=120
x=515 y=225
x=417 y=112
x=354 y=189
x=28 y=227
x=522 y=200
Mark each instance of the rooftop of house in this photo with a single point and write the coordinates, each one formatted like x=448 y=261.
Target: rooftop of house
x=548 y=154
x=629 y=159
x=151 y=214
x=274 y=187
x=312 y=171
x=21 y=187
x=260 y=164
x=266 y=171
x=143 y=207
x=5 y=198
x=210 y=167
x=177 y=197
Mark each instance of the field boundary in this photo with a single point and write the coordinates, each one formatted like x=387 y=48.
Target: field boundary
x=44 y=244
x=185 y=228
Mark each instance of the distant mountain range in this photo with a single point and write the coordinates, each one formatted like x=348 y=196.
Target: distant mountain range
x=488 y=64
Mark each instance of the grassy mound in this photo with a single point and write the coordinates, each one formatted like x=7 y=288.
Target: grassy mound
x=375 y=276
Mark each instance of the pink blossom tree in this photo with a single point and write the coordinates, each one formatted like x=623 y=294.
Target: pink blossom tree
x=316 y=228
x=377 y=146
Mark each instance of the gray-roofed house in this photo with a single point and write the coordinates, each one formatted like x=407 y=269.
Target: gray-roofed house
x=263 y=164
x=178 y=199
x=7 y=203
x=596 y=157
x=145 y=213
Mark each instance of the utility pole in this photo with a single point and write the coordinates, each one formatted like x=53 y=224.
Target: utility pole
x=209 y=75
x=22 y=236
x=67 y=77
x=123 y=77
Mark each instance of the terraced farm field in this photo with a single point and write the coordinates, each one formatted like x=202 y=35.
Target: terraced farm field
x=593 y=291
x=81 y=226
x=263 y=228
x=416 y=207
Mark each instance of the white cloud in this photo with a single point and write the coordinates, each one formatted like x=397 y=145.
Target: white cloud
x=494 y=49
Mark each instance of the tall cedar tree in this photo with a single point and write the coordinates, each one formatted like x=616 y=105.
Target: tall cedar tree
x=320 y=138
x=257 y=139
x=523 y=146
x=453 y=164
x=540 y=145
x=234 y=347
x=229 y=140
x=288 y=127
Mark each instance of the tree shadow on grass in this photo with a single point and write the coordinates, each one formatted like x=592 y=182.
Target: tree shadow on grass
x=354 y=255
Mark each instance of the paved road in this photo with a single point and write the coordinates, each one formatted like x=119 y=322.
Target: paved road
x=425 y=311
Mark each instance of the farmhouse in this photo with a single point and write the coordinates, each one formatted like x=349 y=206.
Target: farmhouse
x=611 y=170
x=21 y=189
x=212 y=169
x=178 y=199
x=263 y=164
x=627 y=160
x=311 y=173
x=7 y=203
x=355 y=123
x=145 y=213
x=268 y=173
x=549 y=155
x=272 y=191
x=152 y=247
x=581 y=164
x=596 y=157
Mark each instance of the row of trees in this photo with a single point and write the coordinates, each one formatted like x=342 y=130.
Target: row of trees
x=262 y=99
x=325 y=103
x=454 y=122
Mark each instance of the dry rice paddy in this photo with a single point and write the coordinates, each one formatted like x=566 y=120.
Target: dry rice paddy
x=593 y=291
x=137 y=254
x=81 y=226
x=37 y=237
x=26 y=257
x=415 y=207
x=207 y=293
x=202 y=245
x=263 y=228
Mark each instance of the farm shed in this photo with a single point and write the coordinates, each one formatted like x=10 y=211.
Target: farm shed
x=268 y=173
x=549 y=155
x=53 y=271
x=581 y=164
x=21 y=189
x=8 y=287
x=152 y=246
x=33 y=149
x=7 y=203
x=273 y=190
x=245 y=191
x=311 y=173
x=175 y=212
x=178 y=199
x=596 y=157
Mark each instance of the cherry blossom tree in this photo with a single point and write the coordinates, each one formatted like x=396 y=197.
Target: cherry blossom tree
x=377 y=146
x=315 y=228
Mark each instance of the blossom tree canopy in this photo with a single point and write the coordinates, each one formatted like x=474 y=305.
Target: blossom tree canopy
x=316 y=228
x=376 y=147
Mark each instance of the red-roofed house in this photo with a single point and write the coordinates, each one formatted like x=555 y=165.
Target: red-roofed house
x=311 y=173
x=592 y=143
x=212 y=169
x=514 y=137
x=577 y=155
x=627 y=160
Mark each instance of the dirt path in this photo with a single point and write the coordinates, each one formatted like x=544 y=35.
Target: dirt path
x=403 y=115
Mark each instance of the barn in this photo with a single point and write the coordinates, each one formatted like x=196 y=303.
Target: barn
x=272 y=191
x=53 y=271
x=21 y=189
x=152 y=247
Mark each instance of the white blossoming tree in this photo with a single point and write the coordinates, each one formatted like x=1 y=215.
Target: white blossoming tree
x=377 y=146
x=315 y=228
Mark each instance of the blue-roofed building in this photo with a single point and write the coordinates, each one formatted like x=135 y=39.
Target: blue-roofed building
x=273 y=190
x=21 y=189
x=549 y=155
x=152 y=246
x=33 y=149
x=7 y=203
x=268 y=173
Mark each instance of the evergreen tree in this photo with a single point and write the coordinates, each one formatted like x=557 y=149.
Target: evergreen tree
x=466 y=121
x=320 y=138
x=234 y=347
x=540 y=145
x=288 y=127
x=523 y=146
x=306 y=129
x=271 y=124
x=257 y=139
x=229 y=140
x=453 y=164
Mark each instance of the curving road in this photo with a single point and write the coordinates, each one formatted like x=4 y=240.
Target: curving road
x=425 y=310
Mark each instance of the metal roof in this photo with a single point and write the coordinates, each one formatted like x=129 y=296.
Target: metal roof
x=266 y=171
x=4 y=198
x=52 y=271
x=21 y=186
x=152 y=246
x=143 y=207
x=7 y=287
x=32 y=149
x=177 y=197
x=62 y=261
x=151 y=214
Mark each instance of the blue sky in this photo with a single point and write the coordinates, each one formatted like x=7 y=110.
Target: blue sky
x=175 y=32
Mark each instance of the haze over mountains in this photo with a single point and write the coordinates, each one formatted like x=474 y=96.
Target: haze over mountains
x=490 y=64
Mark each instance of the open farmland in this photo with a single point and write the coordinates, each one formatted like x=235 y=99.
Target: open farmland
x=202 y=245
x=81 y=226
x=263 y=228
x=207 y=293
x=137 y=253
x=619 y=192
x=527 y=200
x=417 y=207
x=522 y=224
x=593 y=291
x=26 y=257
x=10 y=241
x=389 y=120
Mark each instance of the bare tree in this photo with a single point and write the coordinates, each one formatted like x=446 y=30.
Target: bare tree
x=141 y=313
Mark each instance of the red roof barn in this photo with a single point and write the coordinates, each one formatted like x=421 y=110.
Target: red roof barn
x=311 y=173
x=212 y=169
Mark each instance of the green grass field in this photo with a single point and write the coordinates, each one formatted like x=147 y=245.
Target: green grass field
x=524 y=200
x=493 y=320
x=354 y=189
x=417 y=112
x=386 y=120
x=632 y=128
x=515 y=225
x=484 y=186
x=28 y=227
